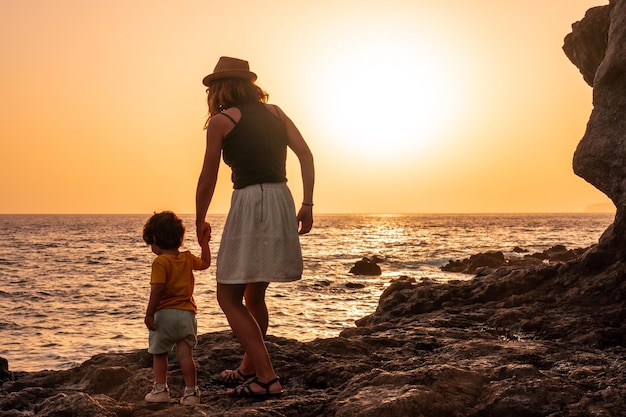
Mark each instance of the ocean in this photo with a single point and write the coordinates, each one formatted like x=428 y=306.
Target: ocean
x=73 y=286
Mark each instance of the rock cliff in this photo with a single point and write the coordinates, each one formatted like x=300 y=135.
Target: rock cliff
x=524 y=340
x=596 y=47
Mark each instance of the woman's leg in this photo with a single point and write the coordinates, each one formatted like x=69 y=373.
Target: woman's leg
x=255 y=303
x=246 y=329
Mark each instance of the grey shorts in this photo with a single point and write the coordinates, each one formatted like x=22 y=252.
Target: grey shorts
x=172 y=326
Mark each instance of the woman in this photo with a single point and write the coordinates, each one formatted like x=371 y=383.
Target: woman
x=260 y=242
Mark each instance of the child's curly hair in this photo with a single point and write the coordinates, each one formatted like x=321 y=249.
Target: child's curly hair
x=165 y=229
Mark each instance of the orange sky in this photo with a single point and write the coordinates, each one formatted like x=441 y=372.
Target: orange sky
x=409 y=106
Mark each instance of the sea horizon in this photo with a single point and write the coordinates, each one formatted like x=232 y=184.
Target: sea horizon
x=469 y=213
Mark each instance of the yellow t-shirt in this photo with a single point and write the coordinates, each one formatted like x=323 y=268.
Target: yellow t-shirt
x=176 y=273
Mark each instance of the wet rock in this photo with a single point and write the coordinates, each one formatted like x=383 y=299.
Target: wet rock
x=322 y=283
x=366 y=266
x=485 y=263
x=377 y=259
x=471 y=264
x=354 y=285
x=558 y=253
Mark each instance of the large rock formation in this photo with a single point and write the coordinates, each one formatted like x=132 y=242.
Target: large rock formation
x=586 y=45
x=597 y=47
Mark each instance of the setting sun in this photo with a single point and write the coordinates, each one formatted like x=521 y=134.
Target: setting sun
x=386 y=93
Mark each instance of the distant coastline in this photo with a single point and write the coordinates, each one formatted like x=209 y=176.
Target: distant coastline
x=600 y=208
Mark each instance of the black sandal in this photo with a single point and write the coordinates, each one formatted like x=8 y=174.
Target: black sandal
x=244 y=390
x=231 y=378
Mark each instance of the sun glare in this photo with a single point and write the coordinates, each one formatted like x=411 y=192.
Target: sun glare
x=386 y=95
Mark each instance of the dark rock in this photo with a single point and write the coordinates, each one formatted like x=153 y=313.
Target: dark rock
x=72 y=405
x=596 y=47
x=586 y=45
x=471 y=264
x=594 y=261
x=377 y=259
x=483 y=271
x=5 y=374
x=557 y=253
x=365 y=267
x=485 y=263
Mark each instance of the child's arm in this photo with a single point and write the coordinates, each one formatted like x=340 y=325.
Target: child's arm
x=156 y=291
x=205 y=237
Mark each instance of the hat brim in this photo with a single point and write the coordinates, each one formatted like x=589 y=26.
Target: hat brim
x=248 y=75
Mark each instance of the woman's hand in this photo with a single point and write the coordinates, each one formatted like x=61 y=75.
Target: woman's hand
x=305 y=219
x=203 y=232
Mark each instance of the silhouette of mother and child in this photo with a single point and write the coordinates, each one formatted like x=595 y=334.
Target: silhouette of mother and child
x=259 y=244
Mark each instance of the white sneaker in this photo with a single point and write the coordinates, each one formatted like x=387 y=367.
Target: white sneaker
x=158 y=395
x=190 y=397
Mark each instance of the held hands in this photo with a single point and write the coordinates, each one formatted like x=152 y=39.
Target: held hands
x=203 y=232
x=305 y=219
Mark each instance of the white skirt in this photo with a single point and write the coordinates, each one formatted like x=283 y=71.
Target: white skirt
x=260 y=241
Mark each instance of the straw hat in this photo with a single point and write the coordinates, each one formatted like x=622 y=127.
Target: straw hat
x=230 y=68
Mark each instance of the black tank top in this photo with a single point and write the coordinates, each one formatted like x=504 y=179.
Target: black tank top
x=256 y=148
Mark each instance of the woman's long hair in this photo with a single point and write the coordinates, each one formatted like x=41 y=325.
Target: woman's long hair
x=228 y=92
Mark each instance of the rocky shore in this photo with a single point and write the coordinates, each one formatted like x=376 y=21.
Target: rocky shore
x=485 y=263
x=547 y=340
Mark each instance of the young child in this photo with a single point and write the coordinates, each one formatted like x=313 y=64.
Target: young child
x=171 y=312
